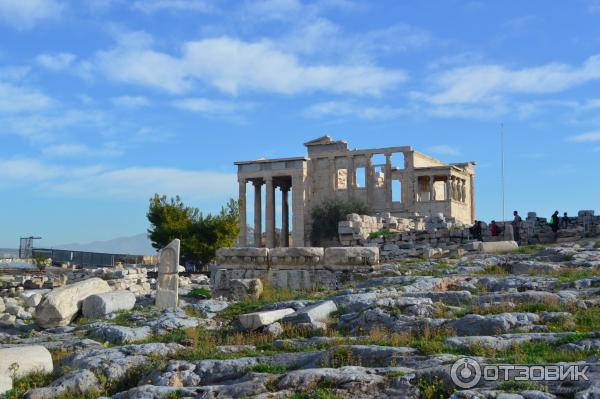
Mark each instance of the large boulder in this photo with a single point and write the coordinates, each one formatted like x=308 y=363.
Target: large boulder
x=318 y=312
x=61 y=305
x=252 y=321
x=498 y=246
x=98 y=306
x=348 y=257
x=246 y=288
x=23 y=359
x=5 y=383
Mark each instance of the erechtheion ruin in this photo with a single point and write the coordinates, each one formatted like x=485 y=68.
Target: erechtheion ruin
x=398 y=180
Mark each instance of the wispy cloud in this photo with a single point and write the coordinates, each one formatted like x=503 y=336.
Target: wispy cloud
x=208 y=106
x=585 y=137
x=46 y=127
x=232 y=65
x=473 y=84
x=56 y=62
x=131 y=101
x=17 y=99
x=25 y=14
x=151 y=6
x=129 y=183
x=444 y=149
x=352 y=109
x=110 y=149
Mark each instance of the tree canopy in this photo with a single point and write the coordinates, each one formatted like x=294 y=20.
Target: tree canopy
x=200 y=235
x=329 y=213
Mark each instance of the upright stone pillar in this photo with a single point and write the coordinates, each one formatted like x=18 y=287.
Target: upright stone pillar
x=369 y=180
x=270 y=212
x=242 y=205
x=298 y=210
x=257 y=214
x=388 y=182
x=431 y=193
x=285 y=217
x=167 y=283
x=351 y=179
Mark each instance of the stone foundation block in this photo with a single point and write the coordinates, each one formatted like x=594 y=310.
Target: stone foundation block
x=253 y=321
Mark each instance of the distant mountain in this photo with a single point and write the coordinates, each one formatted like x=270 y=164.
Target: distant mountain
x=134 y=245
x=9 y=253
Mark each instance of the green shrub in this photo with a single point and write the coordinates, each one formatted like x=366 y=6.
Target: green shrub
x=269 y=368
x=201 y=293
x=326 y=216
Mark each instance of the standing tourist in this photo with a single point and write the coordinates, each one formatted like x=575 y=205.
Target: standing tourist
x=516 y=224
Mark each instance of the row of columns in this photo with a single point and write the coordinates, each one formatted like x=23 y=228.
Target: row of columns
x=270 y=186
x=456 y=188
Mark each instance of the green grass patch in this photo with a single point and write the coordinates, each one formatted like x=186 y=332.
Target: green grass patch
x=317 y=393
x=269 y=368
x=530 y=249
x=381 y=234
x=532 y=353
x=200 y=293
x=519 y=386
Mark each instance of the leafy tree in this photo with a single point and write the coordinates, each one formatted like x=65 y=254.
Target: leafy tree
x=327 y=215
x=200 y=235
x=40 y=262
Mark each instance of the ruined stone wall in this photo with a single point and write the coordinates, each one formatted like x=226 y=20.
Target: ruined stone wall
x=301 y=268
x=434 y=236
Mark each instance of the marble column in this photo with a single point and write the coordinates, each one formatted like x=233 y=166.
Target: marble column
x=351 y=179
x=257 y=214
x=431 y=193
x=388 y=181
x=298 y=210
x=285 y=216
x=270 y=212
x=242 y=206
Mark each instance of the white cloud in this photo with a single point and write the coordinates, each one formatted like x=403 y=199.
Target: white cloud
x=273 y=9
x=351 y=109
x=45 y=127
x=320 y=36
x=206 y=106
x=232 y=65
x=27 y=169
x=586 y=137
x=444 y=149
x=150 y=6
x=13 y=73
x=82 y=150
x=131 y=101
x=478 y=83
x=143 y=182
x=130 y=183
x=25 y=14
x=56 y=62
x=15 y=99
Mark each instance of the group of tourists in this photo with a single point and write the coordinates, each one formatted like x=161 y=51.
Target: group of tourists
x=555 y=224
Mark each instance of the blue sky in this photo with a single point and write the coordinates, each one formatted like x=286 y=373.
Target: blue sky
x=104 y=102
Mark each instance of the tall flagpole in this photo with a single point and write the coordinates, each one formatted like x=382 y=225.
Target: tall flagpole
x=502 y=184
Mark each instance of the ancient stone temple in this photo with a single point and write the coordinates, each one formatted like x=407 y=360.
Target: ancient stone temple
x=395 y=180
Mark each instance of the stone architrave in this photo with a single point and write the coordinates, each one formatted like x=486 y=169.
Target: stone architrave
x=167 y=283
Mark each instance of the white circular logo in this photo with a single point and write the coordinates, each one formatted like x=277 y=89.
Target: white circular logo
x=465 y=372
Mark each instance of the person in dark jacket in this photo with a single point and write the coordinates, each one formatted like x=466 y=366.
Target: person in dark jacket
x=564 y=222
x=475 y=230
x=554 y=223
x=516 y=224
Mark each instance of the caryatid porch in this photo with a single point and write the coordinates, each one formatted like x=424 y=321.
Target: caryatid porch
x=277 y=175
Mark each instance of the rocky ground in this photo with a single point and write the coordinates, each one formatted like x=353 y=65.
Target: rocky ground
x=393 y=334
